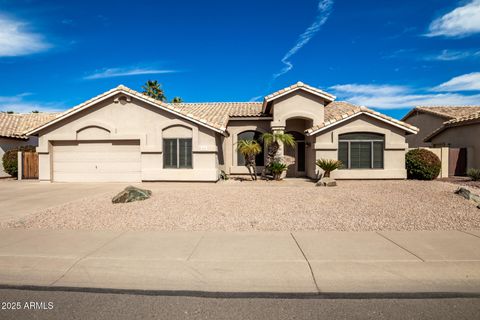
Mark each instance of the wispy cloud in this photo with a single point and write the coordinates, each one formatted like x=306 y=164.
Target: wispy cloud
x=385 y=96
x=324 y=10
x=452 y=55
x=19 y=104
x=16 y=40
x=125 y=72
x=465 y=82
x=460 y=22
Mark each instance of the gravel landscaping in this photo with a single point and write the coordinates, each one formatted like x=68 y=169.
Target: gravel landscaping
x=285 y=205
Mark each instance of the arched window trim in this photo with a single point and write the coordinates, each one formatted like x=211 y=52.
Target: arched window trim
x=260 y=158
x=361 y=150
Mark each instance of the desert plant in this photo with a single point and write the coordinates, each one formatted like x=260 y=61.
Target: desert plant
x=272 y=142
x=277 y=168
x=474 y=174
x=249 y=149
x=328 y=165
x=224 y=176
x=422 y=164
x=10 y=159
x=177 y=100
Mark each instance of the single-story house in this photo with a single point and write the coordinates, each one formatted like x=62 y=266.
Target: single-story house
x=123 y=135
x=12 y=131
x=456 y=127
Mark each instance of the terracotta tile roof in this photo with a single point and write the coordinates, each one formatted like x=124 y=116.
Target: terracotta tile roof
x=212 y=114
x=339 y=110
x=447 y=112
x=218 y=113
x=459 y=121
x=299 y=85
x=14 y=125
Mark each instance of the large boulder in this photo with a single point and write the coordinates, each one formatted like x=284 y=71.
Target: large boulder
x=130 y=194
x=326 y=182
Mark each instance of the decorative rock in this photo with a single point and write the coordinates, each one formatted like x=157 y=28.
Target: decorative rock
x=130 y=194
x=326 y=182
x=467 y=194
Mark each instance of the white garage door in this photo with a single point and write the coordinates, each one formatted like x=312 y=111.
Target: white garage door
x=105 y=161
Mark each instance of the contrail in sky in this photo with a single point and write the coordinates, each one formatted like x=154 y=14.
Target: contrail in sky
x=324 y=10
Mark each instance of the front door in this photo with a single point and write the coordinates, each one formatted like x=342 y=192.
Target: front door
x=295 y=156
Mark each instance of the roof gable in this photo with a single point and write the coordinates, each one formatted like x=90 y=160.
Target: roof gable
x=340 y=111
x=298 y=86
x=186 y=113
x=457 y=122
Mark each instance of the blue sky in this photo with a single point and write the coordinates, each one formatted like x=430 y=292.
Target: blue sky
x=389 y=55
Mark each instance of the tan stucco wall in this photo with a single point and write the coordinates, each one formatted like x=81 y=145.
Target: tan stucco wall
x=135 y=120
x=467 y=136
x=298 y=104
x=229 y=145
x=326 y=147
x=8 y=144
x=427 y=123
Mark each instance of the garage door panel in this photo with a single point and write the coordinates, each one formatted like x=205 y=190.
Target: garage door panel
x=115 y=161
x=95 y=157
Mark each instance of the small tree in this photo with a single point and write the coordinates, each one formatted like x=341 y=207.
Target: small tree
x=328 y=165
x=249 y=149
x=177 y=100
x=154 y=90
x=272 y=142
x=10 y=159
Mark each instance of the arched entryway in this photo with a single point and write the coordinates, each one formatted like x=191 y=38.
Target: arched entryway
x=295 y=156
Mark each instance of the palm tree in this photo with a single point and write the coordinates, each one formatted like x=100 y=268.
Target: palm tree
x=328 y=165
x=272 y=142
x=154 y=90
x=249 y=149
x=177 y=100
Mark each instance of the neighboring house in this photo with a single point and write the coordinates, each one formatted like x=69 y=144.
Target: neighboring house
x=456 y=127
x=12 y=131
x=429 y=119
x=123 y=135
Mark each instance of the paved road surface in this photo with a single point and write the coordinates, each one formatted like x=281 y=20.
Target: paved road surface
x=78 y=305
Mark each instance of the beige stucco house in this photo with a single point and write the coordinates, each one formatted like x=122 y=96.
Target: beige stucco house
x=123 y=135
x=456 y=127
x=12 y=131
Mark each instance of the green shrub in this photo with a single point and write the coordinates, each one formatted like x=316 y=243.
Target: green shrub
x=277 y=168
x=422 y=164
x=328 y=165
x=10 y=159
x=474 y=174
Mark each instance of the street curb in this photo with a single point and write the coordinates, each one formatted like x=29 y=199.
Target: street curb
x=251 y=295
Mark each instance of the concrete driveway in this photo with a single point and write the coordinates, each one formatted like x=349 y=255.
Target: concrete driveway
x=20 y=198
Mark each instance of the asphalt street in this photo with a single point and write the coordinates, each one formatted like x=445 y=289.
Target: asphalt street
x=81 y=305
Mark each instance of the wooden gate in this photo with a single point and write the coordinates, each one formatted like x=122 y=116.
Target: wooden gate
x=457 y=162
x=29 y=165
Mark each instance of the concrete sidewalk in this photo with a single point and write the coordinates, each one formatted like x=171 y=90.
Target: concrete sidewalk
x=256 y=262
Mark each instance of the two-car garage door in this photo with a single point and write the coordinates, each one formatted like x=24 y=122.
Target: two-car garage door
x=92 y=161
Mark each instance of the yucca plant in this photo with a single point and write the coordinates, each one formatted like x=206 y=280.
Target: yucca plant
x=328 y=165
x=249 y=149
x=272 y=142
x=277 y=168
